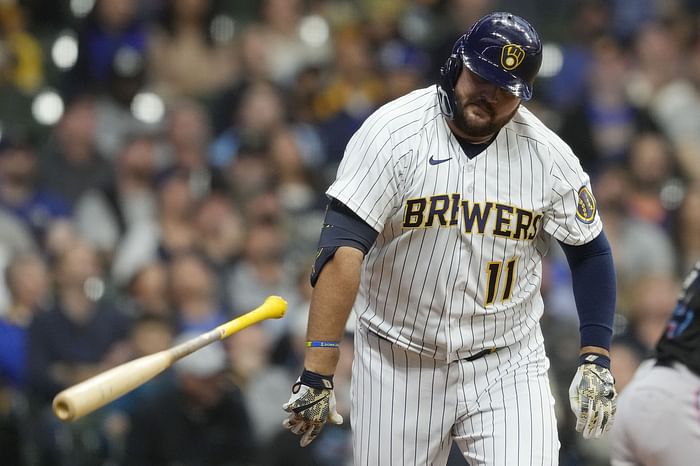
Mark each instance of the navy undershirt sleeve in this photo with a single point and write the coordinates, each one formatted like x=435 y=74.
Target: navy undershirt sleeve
x=593 y=279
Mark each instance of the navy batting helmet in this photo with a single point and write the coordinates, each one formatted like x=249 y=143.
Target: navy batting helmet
x=501 y=48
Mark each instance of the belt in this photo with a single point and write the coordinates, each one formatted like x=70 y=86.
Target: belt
x=471 y=358
x=481 y=354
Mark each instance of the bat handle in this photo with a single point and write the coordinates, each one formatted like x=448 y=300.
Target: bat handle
x=274 y=307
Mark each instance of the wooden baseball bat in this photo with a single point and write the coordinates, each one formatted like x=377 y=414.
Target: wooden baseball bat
x=95 y=392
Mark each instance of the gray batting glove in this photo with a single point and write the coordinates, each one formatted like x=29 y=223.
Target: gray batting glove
x=593 y=397
x=311 y=405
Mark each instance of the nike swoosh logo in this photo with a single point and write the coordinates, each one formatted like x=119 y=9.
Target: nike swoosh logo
x=299 y=409
x=434 y=161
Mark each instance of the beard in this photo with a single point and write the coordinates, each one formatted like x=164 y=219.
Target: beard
x=479 y=128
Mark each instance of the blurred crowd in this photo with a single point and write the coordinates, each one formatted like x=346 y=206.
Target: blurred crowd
x=163 y=166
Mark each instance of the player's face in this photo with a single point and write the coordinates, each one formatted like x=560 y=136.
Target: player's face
x=482 y=107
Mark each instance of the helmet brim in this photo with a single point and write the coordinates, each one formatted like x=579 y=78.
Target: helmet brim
x=494 y=74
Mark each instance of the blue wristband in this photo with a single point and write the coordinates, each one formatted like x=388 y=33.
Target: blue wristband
x=322 y=344
x=594 y=358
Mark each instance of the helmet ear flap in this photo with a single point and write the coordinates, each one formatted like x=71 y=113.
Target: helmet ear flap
x=451 y=69
x=446 y=89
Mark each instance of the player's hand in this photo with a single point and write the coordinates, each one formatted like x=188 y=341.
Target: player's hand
x=311 y=405
x=593 y=399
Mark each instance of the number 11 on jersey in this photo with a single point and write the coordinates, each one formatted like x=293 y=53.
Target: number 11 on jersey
x=493 y=280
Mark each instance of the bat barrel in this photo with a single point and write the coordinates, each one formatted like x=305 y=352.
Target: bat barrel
x=95 y=392
x=63 y=409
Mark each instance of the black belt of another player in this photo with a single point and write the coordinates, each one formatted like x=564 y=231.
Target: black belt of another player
x=665 y=362
x=481 y=354
x=671 y=362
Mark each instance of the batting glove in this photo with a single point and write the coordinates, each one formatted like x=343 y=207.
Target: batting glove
x=311 y=405
x=592 y=395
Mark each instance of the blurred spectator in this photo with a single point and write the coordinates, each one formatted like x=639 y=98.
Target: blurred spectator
x=20 y=52
x=582 y=23
x=650 y=299
x=687 y=229
x=163 y=237
x=249 y=176
x=602 y=125
x=290 y=352
x=293 y=178
x=262 y=271
x=11 y=440
x=694 y=61
x=402 y=67
x=185 y=57
x=194 y=295
x=199 y=421
x=381 y=19
x=660 y=84
x=71 y=164
x=117 y=121
x=148 y=335
x=261 y=111
x=652 y=169
x=80 y=334
x=628 y=15
x=28 y=282
x=300 y=101
x=147 y=291
x=353 y=90
x=15 y=239
x=20 y=192
x=262 y=383
x=111 y=64
x=299 y=193
x=188 y=135
x=61 y=236
x=219 y=236
x=639 y=246
x=104 y=215
x=288 y=51
x=252 y=54
x=111 y=34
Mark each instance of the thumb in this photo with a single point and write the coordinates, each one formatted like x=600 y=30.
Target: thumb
x=335 y=418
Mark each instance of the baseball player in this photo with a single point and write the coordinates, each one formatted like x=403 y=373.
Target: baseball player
x=659 y=422
x=443 y=206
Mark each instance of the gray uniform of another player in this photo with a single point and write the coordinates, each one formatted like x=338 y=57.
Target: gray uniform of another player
x=658 y=419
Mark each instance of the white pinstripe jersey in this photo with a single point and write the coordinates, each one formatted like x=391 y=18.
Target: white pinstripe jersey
x=456 y=267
